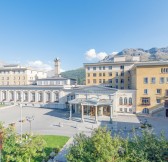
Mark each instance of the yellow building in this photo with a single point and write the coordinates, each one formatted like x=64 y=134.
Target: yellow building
x=114 y=74
x=150 y=80
x=17 y=75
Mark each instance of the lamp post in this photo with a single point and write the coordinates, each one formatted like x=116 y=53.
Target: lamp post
x=21 y=120
x=1 y=138
x=30 y=119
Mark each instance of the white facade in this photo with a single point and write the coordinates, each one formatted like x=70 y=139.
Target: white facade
x=125 y=101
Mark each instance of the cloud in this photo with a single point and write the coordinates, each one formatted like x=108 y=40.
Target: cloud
x=92 y=55
x=39 y=65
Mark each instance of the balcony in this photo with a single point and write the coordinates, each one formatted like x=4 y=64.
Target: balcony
x=145 y=104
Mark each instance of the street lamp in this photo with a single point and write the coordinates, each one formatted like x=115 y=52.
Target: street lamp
x=21 y=120
x=1 y=139
x=30 y=119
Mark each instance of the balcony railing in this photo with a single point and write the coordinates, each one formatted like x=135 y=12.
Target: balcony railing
x=145 y=104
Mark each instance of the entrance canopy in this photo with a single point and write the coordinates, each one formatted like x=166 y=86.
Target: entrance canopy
x=92 y=101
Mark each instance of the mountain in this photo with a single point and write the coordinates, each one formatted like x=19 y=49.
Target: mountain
x=153 y=54
x=78 y=74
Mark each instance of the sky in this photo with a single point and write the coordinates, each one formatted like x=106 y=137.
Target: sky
x=35 y=32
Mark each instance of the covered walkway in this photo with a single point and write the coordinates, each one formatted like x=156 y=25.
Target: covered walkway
x=92 y=106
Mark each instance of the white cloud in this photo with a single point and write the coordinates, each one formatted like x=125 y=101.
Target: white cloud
x=92 y=55
x=101 y=55
x=39 y=65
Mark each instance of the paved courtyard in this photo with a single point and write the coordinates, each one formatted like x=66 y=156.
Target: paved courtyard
x=56 y=122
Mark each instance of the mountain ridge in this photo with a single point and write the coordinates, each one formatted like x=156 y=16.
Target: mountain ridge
x=152 y=54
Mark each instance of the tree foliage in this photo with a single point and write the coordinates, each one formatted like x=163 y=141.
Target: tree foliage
x=78 y=74
x=17 y=150
x=101 y=147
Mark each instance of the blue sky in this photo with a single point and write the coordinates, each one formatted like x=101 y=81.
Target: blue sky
x=37 y=31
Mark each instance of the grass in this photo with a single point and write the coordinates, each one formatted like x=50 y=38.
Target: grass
x=52 y=141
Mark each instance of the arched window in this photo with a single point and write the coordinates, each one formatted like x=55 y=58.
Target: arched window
x=145 y=111
x=121 y=101
x=130 y=101
x=125 y=101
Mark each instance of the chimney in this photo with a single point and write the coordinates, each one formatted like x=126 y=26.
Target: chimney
x=57 y=67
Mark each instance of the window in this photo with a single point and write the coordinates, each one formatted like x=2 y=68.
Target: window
x=161 y=80
x=164 y=70
x=121 y=101
x=145 y=80
x=100 y=67
x=110 y=67
x=110 y=80
x=88 y=81
x=116 y=86
x=100 y=81
x=153 y=80
x=88 y=74
x=104 y=81
x=125 y=101
x=122 y=80
x=167 y=80
x=100 y=74
x=116 y=80
x=121 y=109
x=94 y=81
x=158 y=91
x=130 y=110
x=145 y=101
x=130 y=101
x=110 y=74
x=94 y=68
x=94 y=74
x=145 y=91
x=104 y=74
x=166 y=93
x=158 y=101
x=122 y=73
x=122 y=67
x=104 y=67
x=116 y=73
x=88 y=68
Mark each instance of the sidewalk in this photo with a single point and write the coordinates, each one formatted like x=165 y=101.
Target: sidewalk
x=61 y=155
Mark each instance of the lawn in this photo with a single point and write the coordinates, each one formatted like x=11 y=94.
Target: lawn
x=52 y=141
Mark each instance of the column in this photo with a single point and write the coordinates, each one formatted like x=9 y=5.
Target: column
x=82 y=116
x=22 y=97
x=29 y=96
x=111 y=113
x=15 y=96
x=75 y=108
x=70 y=113
x=96 y=114
x=36 y=96
x=44 y=97
x=51 y=96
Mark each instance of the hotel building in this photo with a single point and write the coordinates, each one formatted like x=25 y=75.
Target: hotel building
x=150 y=80
x=115 y=74
x=18 y=75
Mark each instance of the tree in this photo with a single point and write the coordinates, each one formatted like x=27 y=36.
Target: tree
x=17 y=150
x=101 y=147
x=98 y=148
